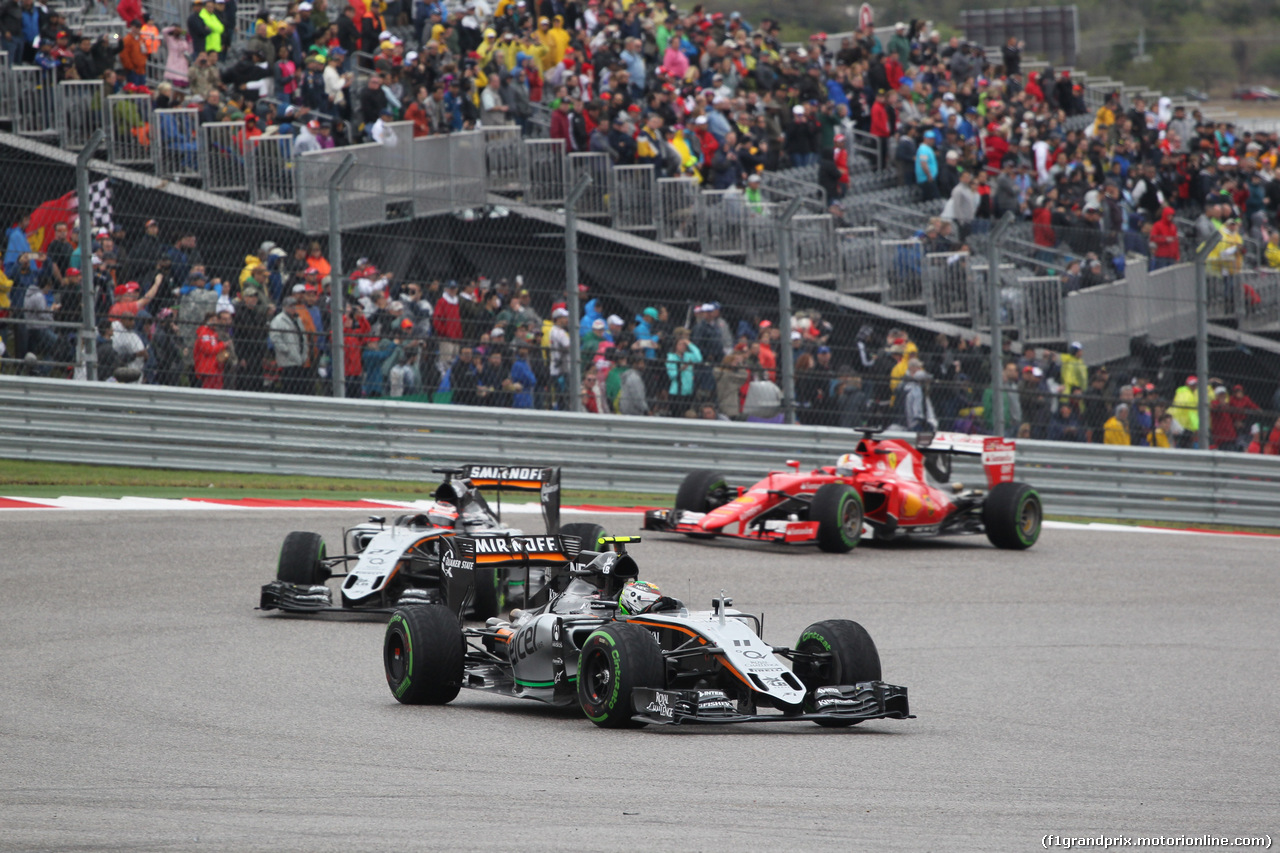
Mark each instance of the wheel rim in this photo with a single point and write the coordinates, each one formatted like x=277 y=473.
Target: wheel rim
x=596 y=676
x=396 y=658
x=850 y=519
x=1029 y=518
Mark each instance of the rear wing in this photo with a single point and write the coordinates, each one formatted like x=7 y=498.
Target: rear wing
x=521 y=478
x=997 y=453
x=460 y=556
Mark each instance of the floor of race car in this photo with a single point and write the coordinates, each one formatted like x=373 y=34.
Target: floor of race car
x=1102 y=683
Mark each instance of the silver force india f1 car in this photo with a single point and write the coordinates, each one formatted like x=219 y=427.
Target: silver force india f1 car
x=384 y=564
x=625 y=653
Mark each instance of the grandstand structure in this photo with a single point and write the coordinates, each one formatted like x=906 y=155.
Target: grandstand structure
x=867 y=254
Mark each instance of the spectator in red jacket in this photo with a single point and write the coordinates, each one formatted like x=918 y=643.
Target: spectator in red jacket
x=1243 y=405
x=1222 y=422
x=880 y=128
x=446 y=320
x=996 y=147
x=561 y=127
x=1164 y=241
x=356 y=335
x=210 y=352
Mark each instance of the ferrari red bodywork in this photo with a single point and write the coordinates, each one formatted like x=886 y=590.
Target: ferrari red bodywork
x=902 y=487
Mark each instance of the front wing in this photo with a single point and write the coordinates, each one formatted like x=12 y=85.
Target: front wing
x=867 y=700
x=685 y=522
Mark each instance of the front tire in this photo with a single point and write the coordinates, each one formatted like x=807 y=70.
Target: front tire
x=702 y=491
x=1012 y=514
x=586 y=531
x=614 y=661
x=302 y=559
x=853 y=658
x=422 y=654
x=838 y=510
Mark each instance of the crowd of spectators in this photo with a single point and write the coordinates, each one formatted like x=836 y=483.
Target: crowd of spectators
x=168 y=319
x=700 y=94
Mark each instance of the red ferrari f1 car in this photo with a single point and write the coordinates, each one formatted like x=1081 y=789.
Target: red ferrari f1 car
x=887 y=488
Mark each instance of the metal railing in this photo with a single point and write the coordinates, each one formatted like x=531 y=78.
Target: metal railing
x=903 y=264
x=548 y=167
x=151 y=426
x=594 y=203
x=633 y=203
x=504 y=159
x=222 y=157
x=129 y=129
x=175 y=147
x=859 y=251
x=79 y=112
x=813 y=247
x=722 y=222
x=6 y=88
x=35 y=101
x=677 y=210
x=269 y=169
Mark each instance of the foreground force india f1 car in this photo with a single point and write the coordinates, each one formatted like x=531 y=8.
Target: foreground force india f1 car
x=622 y=651
x=886 y=489
x=402 y=560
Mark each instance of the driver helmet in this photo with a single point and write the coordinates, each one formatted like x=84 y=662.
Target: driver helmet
x=847 y=464
x=638 y=597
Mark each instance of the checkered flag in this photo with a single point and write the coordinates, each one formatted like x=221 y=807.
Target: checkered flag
x=100 y=204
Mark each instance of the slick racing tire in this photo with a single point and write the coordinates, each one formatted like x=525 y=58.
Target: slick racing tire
x=586 y=531
x=1012 y=514
x=702 y=491
x=615 y=660
x=301 y=559
x=491 y=593
x=853 y=658
x=838 y=510
x=422 y=654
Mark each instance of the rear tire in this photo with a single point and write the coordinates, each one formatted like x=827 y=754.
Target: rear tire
x=1012 y=514
x=702 y=491
x=838 y=510
x=302 y=559
x=422 y=653
x=853 y=658
x=586 y=531
x=614 y=661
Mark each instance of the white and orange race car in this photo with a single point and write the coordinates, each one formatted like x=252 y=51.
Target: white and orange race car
x=386 y=564
x=887 y=488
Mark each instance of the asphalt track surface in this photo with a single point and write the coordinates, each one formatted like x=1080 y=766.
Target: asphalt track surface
x=1102 y=683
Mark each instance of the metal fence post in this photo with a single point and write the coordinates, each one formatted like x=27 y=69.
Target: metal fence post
x=993 y=309
x=88 y=347
x=1202 y=337
x=337 y=352
x=571 y=287
x=784 y=310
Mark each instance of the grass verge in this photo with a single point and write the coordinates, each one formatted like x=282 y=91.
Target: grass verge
x=22 y=478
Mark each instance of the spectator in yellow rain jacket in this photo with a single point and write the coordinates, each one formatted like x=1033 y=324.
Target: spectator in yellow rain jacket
x=560 y=39
x=1105 y=118
x=1074 y=372
x=1116 y=429
x=209 y=17
x=1185 y=408
x=1227 y=258
x=543 y=36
